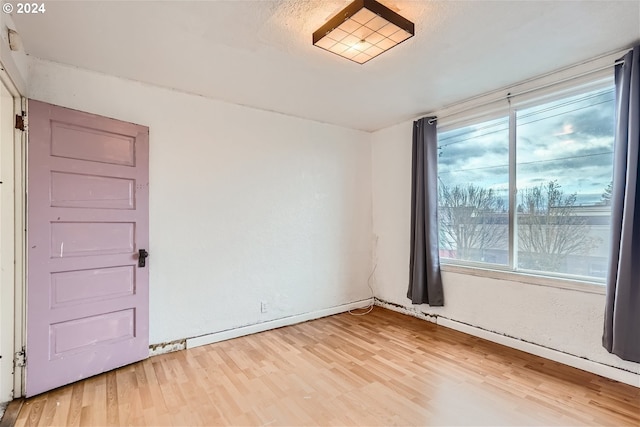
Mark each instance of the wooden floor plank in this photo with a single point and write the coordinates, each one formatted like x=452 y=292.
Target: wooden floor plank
x=380 y=369
x=10 y=416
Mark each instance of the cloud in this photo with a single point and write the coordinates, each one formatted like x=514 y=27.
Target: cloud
x=466 y=155
x=594 y=125
x=569 y=140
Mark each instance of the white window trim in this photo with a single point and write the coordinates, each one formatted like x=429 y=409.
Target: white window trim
x=490 y=271
x=589 y=75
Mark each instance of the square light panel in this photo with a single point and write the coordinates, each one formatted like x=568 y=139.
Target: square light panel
x=362 y=31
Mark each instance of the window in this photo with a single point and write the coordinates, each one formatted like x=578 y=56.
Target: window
x=558 y=155
x=473 y=192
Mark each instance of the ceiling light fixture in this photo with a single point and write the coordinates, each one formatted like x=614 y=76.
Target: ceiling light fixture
x=362 y=31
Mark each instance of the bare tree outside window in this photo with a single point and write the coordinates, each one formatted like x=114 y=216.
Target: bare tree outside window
x=549 y=228
x=473 y=220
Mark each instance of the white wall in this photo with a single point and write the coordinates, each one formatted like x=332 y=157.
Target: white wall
x=15 y=62
x=569 y=321
x=246 y=205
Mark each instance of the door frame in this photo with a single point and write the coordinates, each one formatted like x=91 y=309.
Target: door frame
x=13 y=260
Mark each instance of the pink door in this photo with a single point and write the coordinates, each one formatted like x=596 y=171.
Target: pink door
x=88 y=213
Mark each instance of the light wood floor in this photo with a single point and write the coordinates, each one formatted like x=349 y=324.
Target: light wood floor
x=380 y=369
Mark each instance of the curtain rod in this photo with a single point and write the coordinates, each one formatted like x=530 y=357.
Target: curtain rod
x=511 y=95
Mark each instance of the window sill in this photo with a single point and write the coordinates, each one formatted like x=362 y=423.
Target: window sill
x=530 y=279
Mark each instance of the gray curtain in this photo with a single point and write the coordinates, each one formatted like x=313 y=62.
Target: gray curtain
x=622 y=312
x=425 y=283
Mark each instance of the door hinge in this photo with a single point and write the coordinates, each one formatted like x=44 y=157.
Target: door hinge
x=19 y=359
x=20 y=121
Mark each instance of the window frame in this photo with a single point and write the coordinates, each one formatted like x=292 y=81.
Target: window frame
x=508 y=107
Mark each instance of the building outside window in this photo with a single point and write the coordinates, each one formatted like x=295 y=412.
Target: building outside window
x=557 y=155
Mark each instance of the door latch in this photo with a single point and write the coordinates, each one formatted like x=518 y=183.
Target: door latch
x=142 y=257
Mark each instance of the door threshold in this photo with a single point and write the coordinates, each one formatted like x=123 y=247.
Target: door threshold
x=11 y=413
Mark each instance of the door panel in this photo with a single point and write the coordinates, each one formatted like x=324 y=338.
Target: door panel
x=91 y=238
x=68 y=287
x=75 y=142
x=74 y=190
x=78 y=335
x=87 y=299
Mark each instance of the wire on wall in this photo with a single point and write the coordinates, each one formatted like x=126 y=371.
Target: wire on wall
x=366 y=310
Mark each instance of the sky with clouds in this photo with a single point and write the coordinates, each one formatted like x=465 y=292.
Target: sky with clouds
x=569 y=140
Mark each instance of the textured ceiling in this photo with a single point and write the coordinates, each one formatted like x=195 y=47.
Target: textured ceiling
x=259 y=53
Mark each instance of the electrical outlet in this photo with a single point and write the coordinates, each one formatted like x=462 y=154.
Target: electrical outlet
x=263 y=307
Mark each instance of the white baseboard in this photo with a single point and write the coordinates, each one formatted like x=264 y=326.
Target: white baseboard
x=557 y=356
x=548 y=353
x=273 y=324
